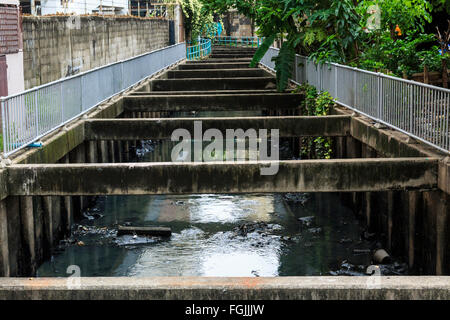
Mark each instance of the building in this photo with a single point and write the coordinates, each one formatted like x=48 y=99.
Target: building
x=45 y=7
x=115 y=7
x=11 y=48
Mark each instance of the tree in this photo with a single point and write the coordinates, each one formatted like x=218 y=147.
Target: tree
x=399 y=17
x=198 y=19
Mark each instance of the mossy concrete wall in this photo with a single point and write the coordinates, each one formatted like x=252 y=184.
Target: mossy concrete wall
x=60 y=46
x=204 y=288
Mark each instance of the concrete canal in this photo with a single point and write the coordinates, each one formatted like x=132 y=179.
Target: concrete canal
x=218 y=235
x=314 y=217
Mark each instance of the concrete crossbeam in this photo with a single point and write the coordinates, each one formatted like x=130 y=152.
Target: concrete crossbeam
x=206 y=65
x=348 y=175
x=233 y=49
x=220 y=60
x=226 y=288
x=141 y=129
x=231 y=55
x=215 y=73
x=176 y=93
x=212 y=102
x=247 y=83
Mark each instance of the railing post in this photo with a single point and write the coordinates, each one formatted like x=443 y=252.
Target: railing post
x=380 y=95
x=122 y=75
x=36 y=116
x=4 y=131
x=319 y=78
x=62 y=102
x=354 y=88
x=335 y=81
x=411 y=108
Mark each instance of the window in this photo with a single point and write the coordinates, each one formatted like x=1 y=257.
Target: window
x=9 y=29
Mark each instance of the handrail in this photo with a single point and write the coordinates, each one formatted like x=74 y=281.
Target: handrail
x=238 y=41
x=419 y=110
x=31 y=114
x=199 y=51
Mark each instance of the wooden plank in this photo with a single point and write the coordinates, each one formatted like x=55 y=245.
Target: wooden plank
x=145 y=231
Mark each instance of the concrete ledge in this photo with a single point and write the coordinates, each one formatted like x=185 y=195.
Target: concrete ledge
x=212 y=102
x=444 y=175
x=208 y=288
x=345 y=175
x=215 y=73
x=55 y=145
x=219 y=65
x=176 y=93
x=231 y=55
x=220 y=60
x=386 y=141
x=216 y=84
x=3 y=184
x=136 y=129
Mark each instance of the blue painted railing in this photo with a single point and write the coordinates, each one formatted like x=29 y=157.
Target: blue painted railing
x=200 y=50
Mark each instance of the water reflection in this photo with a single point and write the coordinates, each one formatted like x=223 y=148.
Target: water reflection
x=208 y=237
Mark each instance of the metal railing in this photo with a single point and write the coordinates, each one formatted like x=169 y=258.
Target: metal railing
x=419 y=110
x=28 y=116
x=198 y=51
x=253 y=42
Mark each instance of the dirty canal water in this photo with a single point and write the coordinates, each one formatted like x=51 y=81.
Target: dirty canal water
x=217 y=235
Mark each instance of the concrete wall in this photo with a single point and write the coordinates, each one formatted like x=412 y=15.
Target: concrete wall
x=236 y=25
x=60 y=46
x=15 y=74
x=412 y=225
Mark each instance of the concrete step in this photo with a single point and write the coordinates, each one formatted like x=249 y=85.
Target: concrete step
x=230 y=55
x=221 y=47
x=233 y=49
x=238 y=50
x=216 y=73
x=162 y=128
x=205 y=65
x=216 y=84
x=213 y=102
x=220 y=60
x=174 y=93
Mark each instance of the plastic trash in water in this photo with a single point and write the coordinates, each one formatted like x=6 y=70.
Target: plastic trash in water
x=37 y=144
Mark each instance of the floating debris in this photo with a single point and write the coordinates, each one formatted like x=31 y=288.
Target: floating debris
x=315 y=230
x=306 y=221
x=299 y=198
x=381 y=257
x=145 y=231
x=259 y=227
x=146 y=147
x=348 y=269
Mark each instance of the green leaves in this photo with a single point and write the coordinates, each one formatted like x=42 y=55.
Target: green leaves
x=284 y=64
x=261 y=51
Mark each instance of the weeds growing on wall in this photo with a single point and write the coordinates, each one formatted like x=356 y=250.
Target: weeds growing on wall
x=315 y=104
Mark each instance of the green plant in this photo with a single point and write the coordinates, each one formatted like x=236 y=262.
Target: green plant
x=432 y=59
x=399 y=57
x=315 y=104
x=326 y=29
x=198 y=19
x=408 y=15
